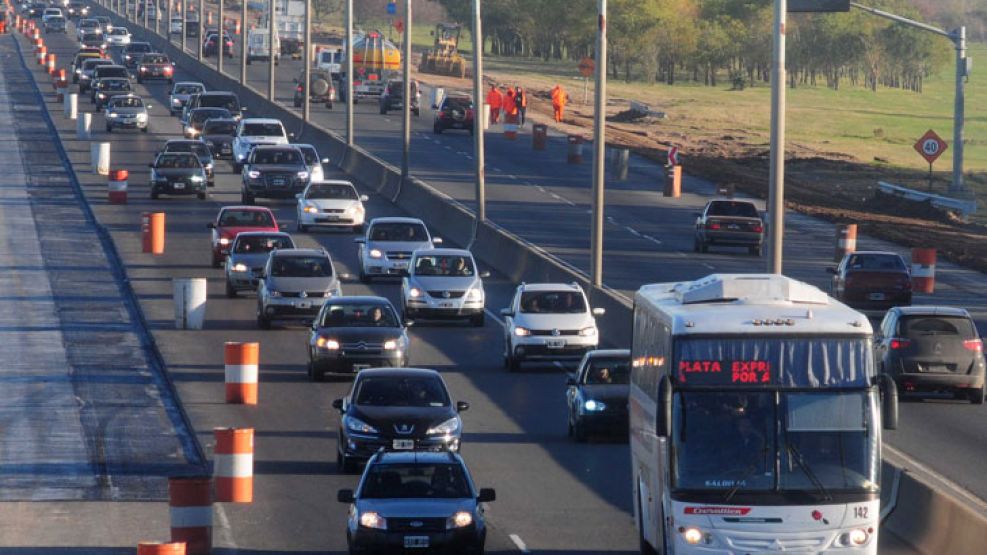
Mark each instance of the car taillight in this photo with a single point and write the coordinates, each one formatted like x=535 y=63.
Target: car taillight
x=974 y=345
x=897 y=343
x=299 y=88
x=757 y=229
x=167 y=69
x=712 y=225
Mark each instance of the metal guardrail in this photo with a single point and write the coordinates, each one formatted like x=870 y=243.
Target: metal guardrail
x=964 y=207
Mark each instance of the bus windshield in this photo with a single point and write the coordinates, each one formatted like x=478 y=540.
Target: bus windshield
x=742 y=442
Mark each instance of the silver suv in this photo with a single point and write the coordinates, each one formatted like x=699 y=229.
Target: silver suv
x=443 y=283
x=548 y=322
x=248 y=255
x=127 y=111
x=294 y=285
x=387 y=248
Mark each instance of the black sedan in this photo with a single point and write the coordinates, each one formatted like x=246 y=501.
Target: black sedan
x=274 y=171
x=211 y=44
x=133 y=52
x=217 y=134
x=403 y=409
x=931 y=349
x=177 y=174
x=416 y=502
x=597 y=394
x=197 y=148
x=197 y=118
x=105 y=89
x=354 y=333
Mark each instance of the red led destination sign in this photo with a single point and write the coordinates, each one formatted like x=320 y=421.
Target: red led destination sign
x=725 y=372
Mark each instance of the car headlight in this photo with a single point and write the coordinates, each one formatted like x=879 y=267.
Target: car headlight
x=208 y=166
x=390 y=345
x=210 y=143
x=78 y=72
x=375 y=253
x=309 y=209
x=474 y=295
x=101 y=95
x=111 y=115
x=191 y=130
x=448 y=427
x=354 y=424
x=462 y=519
x=196 y=179
x=302 y=175
x=373 y=520
x=522 y=332
x=176 y=102
x=253 y=174
x=141 y=117
x=326 y=343
x=694 y=536
x=224 y=241
x=594 y=406
x=354 y=209
x=588 y=331
x=414 y=292
x=143 y=68
x=240 y=267
x=274 y=293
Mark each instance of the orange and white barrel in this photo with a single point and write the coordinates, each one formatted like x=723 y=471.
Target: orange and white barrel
x=42 y=54
x=35 y=32
x=116 y=186
x=51 y=64
x=846 y=240
x=923 y=270
x=242 y=362
x=190 y=506
x=158 y=548
x=236 y=27
x=233 y=465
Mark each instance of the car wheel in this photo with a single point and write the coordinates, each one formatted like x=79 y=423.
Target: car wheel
x=645 y=548
x=302 y=227
x=477 y=320
x=237 y=168
x=513 y=364
x=755 y=251
x=140 y=80
x=383 y=111
x=703 y=247
x=358 y=229
x=364 y=278
x=977 y=396
x=328 y=105
x=471 y=131
x=144 y=129
x=314 y=373
x=345 y=465
x=230 y=290
x=297 y=103
x=695 y=244
x=263 y=322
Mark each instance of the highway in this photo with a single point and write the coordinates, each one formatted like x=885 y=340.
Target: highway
x=553 y=496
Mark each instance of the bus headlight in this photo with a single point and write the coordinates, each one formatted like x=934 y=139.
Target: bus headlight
x=853 y=538
x=694 y=536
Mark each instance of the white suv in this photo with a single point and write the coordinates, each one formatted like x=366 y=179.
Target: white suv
x=256 y=131
x=387 y=247
x=548 y=322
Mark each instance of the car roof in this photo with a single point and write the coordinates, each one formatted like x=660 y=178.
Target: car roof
x=397 y=373
x=608 y=353
x=261 y=120
x=217 y=93
x=883 y=253
x=221 y=120
x=729 y=201
x=418 y=457
x=263 y=234
x=183 y=83
x=443 y=252
x=275 y=147
x=550 y=287
x=395 y=220
x=920 y=310
x=357 y=299
x=246 y=208
x=182 y=142
x=301 y=252
x=334 y=182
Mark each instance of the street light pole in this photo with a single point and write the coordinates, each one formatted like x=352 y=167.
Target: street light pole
x=406 y=110
x=243 y=43
x=599 y=147
x=776 y=194
x=478 y=123
x=270 y=50
x=348 y=52
x=183 y=11
x=220 y=39
x=202 y=20
x=307 y=60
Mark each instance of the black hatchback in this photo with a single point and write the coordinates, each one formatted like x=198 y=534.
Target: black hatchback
x=353 y=333
x=932 y=349
x=402 y=409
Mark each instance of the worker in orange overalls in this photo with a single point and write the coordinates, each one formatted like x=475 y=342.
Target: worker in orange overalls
x=559 y=99
x=509 y=107
x=495 y=99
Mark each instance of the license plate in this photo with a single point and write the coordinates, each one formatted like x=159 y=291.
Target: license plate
x=416 y=542
x=178 y=185
x=876 y=296
x=457 y=124
x=555 y=343
x=331 y=218
x=445 y=305
x=733 y=226
x=225 y=148
x=400 y=265
x=303 y=305
x=403 y=444
x=278 y=182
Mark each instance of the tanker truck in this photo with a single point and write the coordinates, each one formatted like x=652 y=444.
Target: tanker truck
x=375 y=61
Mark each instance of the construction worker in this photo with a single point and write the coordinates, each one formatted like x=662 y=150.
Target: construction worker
x=521 y=99
x=509 y=106
x=495 y=99
x=559 y=99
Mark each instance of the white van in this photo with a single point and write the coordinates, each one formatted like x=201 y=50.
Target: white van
x=258 y=45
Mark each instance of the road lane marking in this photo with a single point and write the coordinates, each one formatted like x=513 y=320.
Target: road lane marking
x=494 y=315
x=632 y=231
x=514 y=177
x=710 y=266
x=519 y=543
x=448 y=147
x=652 y=239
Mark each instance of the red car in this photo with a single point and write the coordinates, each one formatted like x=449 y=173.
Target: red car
x=232 y=220
x=872 y=280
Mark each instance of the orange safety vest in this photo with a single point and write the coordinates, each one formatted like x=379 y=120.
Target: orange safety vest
x=494 y=98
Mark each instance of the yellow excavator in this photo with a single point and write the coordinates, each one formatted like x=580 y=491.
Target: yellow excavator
x=444 y=57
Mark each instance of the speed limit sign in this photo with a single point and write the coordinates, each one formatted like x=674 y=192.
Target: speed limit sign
x=931 y=146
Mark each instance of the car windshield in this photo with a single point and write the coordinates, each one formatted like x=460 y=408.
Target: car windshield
x=88 y=24
x=187 y=89
x=331 y=191
x=732 y=208
x=220 y=101
x=187 y=146
x=738 y=441
x=260 y=244
x=128 y=102
x=310 y=155
x=876 y=263
x=219 y=128
x=202 y=114
x=111 y=71
x=914 y=327
x=359 y=315
x=177 y=161
x=301 y=266
x=91 y=38
x=411 y=232
x=607 y=371
x=118 y=31
x=90 y=65
x=262 y=130
x=415 y=481
x=277 y=156
x=401 y=391
x=139 y=47
x=444 y=265
x=153 y=59
x=552 y=302
x=246 y=218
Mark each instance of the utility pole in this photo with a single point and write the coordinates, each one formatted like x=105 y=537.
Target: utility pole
x=599 y=147
x=220 y=39
x=243 y=43
x=307 y=60
x=776 y=194
x=478 y=123
x=348 y=52
x=183 y=11
x=270 y=50
x=958 y=38
x=406 y=110
x=202 y=20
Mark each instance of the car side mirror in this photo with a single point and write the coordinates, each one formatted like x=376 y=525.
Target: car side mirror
x=211 y=225
x=461 y=406
x=298 y=196
x=337 y=404
x=487 y=495
x=663 y=424
x=324 y=161
x=506 y=312
x=831 y=270
x=173 y=64
x=291 y=135
x=570 y=379
x=359 y=240
x=599 y=311
x=345 y=496
x=364 y=198
x=889 y=402
x=148 y=107
x=243 y=108
x=436 y=240
x=282 y=226
x=485 y=274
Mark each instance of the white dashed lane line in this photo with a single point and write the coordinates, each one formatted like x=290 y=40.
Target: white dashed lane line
x=519 y=543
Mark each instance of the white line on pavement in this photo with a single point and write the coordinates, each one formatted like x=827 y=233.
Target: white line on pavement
x=519 y=543
x=632 y=231
x=710 y=266
x=225 y=532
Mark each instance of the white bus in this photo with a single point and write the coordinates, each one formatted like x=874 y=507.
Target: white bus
x=755 y=419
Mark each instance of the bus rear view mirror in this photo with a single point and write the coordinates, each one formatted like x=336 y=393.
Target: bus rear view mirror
x=889 y=402
x=663 y=420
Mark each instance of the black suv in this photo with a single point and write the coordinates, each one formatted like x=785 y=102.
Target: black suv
x=416 y=501
x=393 y=97
x=221 y=99
x=404 y=409
x=177 y=173
x=930 y=349
x=354 y=333
x=455 y=112
x=274 y=171
x=133 y=52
